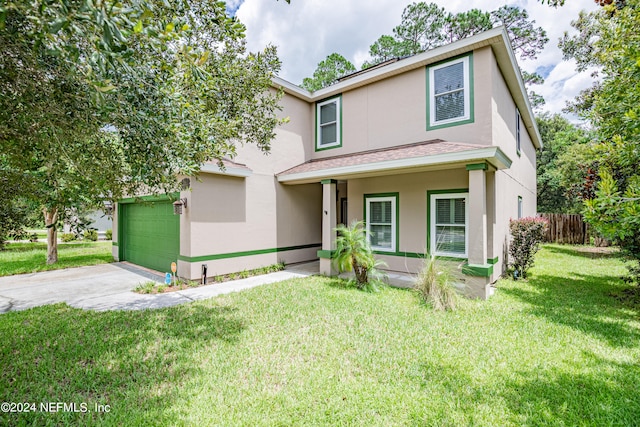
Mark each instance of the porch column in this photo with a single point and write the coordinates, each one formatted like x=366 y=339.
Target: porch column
x=329 y=223
x=477 y=251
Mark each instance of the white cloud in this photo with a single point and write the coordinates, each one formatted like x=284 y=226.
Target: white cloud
x=306 y=31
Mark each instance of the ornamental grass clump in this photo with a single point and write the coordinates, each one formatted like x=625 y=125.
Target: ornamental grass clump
x=354 y=253
x=526 y=236
x=436 y=286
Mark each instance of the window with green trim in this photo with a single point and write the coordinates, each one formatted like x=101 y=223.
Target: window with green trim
x=449 y=92
x=328 y=117
x=449 y=222
x=381 y=221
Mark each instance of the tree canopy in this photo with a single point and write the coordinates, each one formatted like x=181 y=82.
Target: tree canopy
x=328 y=72
x=101 y=100
x=609 y=38
x=425 y=26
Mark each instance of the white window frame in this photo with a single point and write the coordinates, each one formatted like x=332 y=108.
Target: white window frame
x=394 y=221
x=466 y=89
x=338 y=101
x=432 y=226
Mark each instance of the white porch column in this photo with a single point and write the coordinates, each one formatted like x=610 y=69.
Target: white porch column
x=329 y=223
x=477 y=251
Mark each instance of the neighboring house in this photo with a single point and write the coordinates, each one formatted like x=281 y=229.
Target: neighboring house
x=435 y=153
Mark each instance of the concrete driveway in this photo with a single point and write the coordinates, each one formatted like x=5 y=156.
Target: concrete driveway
x=110 y=286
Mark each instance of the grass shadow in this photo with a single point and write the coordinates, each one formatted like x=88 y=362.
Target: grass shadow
x=590 y=252
x=61 y=354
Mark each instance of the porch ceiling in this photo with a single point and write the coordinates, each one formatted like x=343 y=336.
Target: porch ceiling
x=419 y=157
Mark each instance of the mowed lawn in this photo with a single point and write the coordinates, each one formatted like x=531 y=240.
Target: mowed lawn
x=560 y=349
x=20 y=258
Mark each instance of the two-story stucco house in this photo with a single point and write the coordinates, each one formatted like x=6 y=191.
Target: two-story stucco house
x=435 y=152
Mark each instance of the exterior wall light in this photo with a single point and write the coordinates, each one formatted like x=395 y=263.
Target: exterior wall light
x=178 y=205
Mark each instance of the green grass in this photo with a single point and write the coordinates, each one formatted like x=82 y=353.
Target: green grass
x=18 y=258
x=560 y=349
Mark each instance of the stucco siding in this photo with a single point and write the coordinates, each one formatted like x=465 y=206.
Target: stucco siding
x=393 y=112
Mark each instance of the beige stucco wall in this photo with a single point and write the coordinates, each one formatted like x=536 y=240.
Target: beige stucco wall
x=392 y=112
x=412 y=189
x=519 y=179
x=229 y=214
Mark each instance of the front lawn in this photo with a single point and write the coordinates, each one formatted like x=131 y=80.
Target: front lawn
x=19 y=258
x=560 y=349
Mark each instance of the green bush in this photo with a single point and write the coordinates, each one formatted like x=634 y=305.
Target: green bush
x=90 y=235
x=68 y=237
x=436 y=286
x=108 y=234
x=526 y=236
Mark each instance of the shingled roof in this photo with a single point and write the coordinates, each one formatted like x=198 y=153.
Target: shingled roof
x=405 y=158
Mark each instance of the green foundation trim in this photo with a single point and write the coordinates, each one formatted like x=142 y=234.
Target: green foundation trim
x=246 y=253
x=326 y=254
x=477 y=270
x=493 y=261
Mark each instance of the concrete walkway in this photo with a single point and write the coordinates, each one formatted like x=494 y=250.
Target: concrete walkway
x=110 y=287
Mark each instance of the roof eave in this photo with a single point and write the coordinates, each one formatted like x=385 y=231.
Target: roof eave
x=491 y=155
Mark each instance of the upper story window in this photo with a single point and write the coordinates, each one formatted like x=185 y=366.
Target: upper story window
x=449 y=93
x=328 y=123
x=518 y=131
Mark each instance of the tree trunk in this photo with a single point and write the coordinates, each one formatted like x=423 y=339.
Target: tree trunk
x=50 y=220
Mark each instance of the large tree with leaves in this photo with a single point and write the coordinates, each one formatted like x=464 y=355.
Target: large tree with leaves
x=561 y=164
x=101 y=99
x=426 y=26
x=613 y=108
x=328 y=72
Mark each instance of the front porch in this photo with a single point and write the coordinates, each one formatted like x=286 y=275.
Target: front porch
x=433 y=197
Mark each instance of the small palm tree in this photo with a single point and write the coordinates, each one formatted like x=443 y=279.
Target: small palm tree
x=353 y=253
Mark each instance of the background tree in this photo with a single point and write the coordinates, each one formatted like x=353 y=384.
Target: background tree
x=100 y=100
x=328 y=72
x=613 y=108
x=561 y=164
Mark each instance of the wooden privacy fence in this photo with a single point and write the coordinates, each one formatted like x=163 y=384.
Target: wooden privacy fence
x=566 y=228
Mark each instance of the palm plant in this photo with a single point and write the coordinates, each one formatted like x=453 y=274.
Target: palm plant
x=353 y=253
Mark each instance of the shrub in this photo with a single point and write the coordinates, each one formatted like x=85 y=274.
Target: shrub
x=33 y=237
x=353 y=253
x=68 y=237
x=108 y=234
x=90 y=234
x=435 y=286
x=526 y=236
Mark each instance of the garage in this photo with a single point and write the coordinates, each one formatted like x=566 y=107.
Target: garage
x=149 y=233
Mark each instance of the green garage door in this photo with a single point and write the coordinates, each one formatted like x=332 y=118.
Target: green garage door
x=150 y=234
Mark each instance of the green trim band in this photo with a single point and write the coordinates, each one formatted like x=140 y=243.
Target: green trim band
x=477 y=167
x=325 y=254
x=152 y=198
x=328 y=181
x=245 y=253
x=493 y=261
x=477 y=270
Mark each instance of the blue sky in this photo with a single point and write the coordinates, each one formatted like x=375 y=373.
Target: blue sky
x=306 y=31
